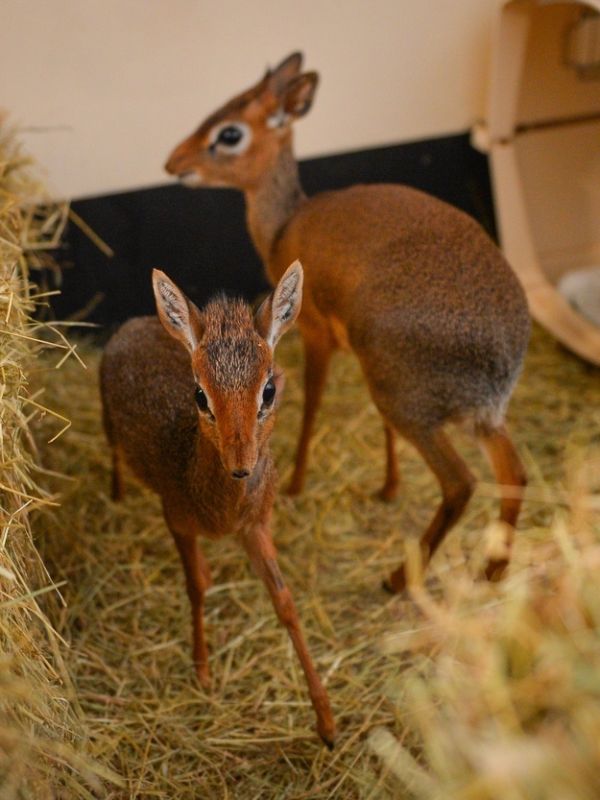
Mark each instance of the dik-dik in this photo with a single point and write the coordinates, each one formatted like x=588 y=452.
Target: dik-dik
x=413 y=286
x=189 y=405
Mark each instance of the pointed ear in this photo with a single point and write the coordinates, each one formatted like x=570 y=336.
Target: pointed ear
x=178 y=314
x=279 y=311
x=298 y=95
x=283 y=73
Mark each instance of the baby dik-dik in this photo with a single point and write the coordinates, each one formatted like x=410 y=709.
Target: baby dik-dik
x=413 y=286
x=189 y=404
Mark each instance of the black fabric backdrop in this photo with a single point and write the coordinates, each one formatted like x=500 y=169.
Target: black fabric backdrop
x=199 y=238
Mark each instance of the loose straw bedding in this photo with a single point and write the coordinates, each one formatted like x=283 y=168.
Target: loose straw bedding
x=423 y=686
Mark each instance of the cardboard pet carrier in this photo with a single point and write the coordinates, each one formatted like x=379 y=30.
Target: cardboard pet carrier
x=543 y=135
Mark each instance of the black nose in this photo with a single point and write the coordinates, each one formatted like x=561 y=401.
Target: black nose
x=240 y=473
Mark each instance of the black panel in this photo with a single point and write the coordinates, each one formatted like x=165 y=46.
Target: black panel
x=199 y=236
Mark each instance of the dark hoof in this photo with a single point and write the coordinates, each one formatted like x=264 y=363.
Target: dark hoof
x=387 y=494
x=329 y=743
x=496 y=571
x=394 y=585
x=203 y=678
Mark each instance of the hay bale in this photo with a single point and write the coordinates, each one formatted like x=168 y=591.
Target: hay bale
x=40 y=730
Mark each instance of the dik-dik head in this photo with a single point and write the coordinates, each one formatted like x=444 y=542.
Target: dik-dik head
x=232 y=362
x=239 y=142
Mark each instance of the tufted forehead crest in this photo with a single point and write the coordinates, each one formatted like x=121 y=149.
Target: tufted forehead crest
x=234 y=351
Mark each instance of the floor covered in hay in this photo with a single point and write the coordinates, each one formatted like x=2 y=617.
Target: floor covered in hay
x=126 y=616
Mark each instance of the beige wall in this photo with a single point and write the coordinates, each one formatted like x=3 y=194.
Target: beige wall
x=106 y=87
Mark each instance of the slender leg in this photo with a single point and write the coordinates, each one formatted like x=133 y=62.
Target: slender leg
x=392 y=476
x=198 y=580
x=263 y=556
x=317 y=355
x=510 y=474
x=117 y=485
x=457 y=485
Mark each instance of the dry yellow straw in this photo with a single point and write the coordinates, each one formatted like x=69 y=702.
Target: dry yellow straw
x=41 y=732
x=385 y=660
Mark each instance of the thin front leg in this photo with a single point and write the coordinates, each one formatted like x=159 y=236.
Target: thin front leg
x=198 y=580
x=317 y=355
x=263 y=556
x=392 y=476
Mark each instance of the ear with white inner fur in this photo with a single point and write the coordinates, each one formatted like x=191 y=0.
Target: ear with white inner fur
x=284 y=72
x=280 y=310
x=298 y=95
x=179 y=316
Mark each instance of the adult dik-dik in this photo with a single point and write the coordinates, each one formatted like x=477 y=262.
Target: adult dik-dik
x=189 y=405
x=412 y=285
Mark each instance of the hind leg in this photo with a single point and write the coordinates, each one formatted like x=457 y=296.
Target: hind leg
x=389 y=489
x=317 y=355
x=117 y=485
x=510 y=475
x=456 y=482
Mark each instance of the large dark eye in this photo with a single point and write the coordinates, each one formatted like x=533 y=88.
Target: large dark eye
x=268 y=392
x=201 y=400
x=230 y=136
